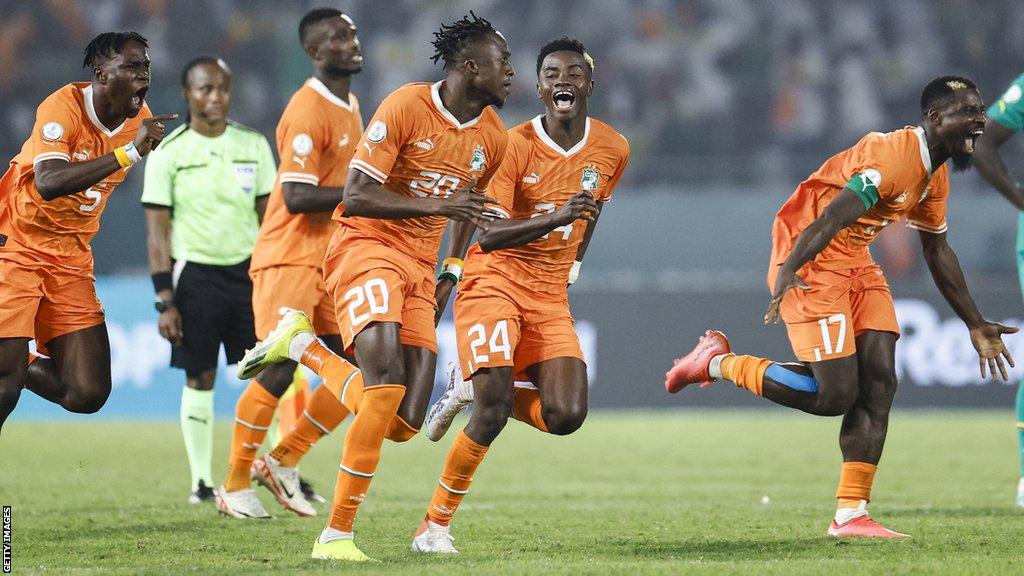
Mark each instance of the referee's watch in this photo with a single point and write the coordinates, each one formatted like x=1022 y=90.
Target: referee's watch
x=162 y=305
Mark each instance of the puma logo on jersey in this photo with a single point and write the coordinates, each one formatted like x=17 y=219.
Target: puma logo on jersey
x=426 y=144
x=299 y=161
x=531 y=178
x=344 y=141
x=79 y=156
x=901 y=198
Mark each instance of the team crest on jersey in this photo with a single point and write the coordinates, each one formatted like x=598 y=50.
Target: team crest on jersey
x=377 y=132
x=478 y=162
x=302 y=144
x=52 y=131
x=246 y=175
x=590 y=178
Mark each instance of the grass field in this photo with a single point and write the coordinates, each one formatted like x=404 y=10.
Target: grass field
x=631 y=493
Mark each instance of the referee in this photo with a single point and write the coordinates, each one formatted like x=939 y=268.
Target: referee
x=205 y=191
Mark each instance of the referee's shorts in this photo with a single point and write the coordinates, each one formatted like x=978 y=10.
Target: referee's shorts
x=215 y=303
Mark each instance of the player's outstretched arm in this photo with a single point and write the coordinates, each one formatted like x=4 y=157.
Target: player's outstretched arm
x=300 y=198
x=501 y=234
x=949 y=278
x=365 y=197
x=460 y=236
x=990 y=164
x=56 y=178
x=840 y=213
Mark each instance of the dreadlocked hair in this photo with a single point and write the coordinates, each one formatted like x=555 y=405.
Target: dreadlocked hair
x=452 y=38
x=107 y=45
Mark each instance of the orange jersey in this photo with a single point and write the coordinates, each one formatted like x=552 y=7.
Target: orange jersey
x=60 y=230
x=415 y=147
x=537 y=177
x=316 y=137
x=892 y=174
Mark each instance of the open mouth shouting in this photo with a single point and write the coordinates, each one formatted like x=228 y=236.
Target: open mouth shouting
x=972 y=139
x=139 y=98
x=563 y=100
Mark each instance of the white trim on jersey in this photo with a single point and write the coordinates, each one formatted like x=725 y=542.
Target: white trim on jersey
x=538 y=127
x=926 y=158
x=300 y=177
x=51 y=156
x=324 y=91
x=367 y=169
x=90 y=111
x=435 y=95
x=934 y=230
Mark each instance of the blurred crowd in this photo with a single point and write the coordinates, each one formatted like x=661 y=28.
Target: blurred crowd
x=708 y=91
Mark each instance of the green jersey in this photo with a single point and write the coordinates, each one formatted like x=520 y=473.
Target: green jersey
x=1009 y=111
x=211 y=186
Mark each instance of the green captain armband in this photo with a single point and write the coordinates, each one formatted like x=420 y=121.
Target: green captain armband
x=865 y=184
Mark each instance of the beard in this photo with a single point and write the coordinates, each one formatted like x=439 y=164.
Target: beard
x=961 y=160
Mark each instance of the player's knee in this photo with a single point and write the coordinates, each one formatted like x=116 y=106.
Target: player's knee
x=87 y=403
x=565 y=420
x=490 y=418
x=836 y=400
x=390 y=371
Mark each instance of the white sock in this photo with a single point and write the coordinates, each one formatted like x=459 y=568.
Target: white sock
x=331 y=534
x=436 y=526
x=844 y=515
x=298 y=345
x=715 y=368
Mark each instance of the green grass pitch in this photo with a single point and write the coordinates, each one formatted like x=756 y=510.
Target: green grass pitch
x=671 y=492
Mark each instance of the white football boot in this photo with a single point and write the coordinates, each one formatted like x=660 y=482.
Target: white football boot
x=458 y=395
x=240 y=504
x=433 y=539
x=1020 y=494
x=283 y=483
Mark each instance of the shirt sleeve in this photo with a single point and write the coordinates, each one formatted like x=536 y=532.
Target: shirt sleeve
x=55 y=130
x=930 y=213
x=301 y=147
x=158 y=182
x=382 y=141
x=606 y=195
x=506 y=176
x=1009 y=109
x=266 y=169
x=881 y=168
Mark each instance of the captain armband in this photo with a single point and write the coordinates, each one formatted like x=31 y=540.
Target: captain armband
x=866 y=184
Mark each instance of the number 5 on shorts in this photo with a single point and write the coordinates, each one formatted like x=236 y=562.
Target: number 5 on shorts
x=498 y=342
x=374 y=293
x=826 y=338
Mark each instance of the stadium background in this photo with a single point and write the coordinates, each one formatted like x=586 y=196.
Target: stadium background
x=727 y=104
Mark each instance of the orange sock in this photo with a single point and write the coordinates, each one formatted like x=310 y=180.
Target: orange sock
x=362 y=451
x=745 y=371
x=526 y=408
x=343 y=380
x=460 y=465
x=399 y=430
x=323 y=413
x=855 y=480
x=253 y=414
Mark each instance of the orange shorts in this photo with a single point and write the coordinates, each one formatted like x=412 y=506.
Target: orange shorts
x=370 y=281
x=824 y=321
x=43 y=301
x=499 y=323
x=298 y=287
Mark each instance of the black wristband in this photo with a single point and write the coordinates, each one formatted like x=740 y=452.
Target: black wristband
x=162 y=281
